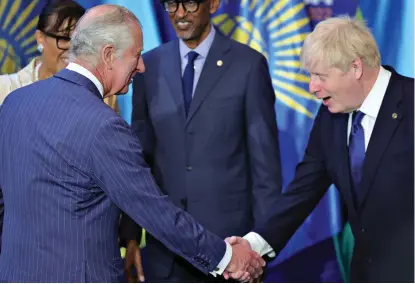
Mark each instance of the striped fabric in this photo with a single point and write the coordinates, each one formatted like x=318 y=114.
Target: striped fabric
x=68 y=163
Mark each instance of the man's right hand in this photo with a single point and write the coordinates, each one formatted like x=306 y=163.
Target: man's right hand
x=245 y=263
x=133 y=257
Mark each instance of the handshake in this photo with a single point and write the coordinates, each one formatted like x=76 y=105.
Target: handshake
x=246 y=264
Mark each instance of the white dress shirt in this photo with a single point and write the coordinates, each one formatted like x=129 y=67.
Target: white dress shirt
x=370 y=107
x=202 y=49
x=83 y=71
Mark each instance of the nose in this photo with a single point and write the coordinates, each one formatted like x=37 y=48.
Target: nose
x=141 y=68
x=313 y=86
x=180 y=13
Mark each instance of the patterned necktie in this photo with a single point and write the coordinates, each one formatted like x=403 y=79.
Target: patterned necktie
x=357 y=151
x=188 y=78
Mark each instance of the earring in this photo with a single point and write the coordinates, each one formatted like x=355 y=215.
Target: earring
x=40 y=47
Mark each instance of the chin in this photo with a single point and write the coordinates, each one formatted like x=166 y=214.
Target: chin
x=123 y=91
x=186 y=36
x=334 y=109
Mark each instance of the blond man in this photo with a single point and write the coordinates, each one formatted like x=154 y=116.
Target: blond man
x=362 y=142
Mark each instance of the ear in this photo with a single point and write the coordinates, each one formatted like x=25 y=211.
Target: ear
x=357 y=66
x=108 y=56
x=40 y=39
x=214 y=6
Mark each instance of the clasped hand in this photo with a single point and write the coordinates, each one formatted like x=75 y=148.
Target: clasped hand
x=246 y=264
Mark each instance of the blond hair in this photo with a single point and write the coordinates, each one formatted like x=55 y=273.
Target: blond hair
x=337 y=41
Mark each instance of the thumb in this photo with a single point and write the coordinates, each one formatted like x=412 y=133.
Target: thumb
x=232 y=240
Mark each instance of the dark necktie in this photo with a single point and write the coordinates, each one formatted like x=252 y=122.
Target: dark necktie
x=357 y=151
x=188 y=78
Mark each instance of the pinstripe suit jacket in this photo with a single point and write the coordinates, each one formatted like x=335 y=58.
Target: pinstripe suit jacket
x=68 y=163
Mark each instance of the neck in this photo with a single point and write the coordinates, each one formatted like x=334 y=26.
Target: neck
x=44 y=72
x=193 y=43
x=95 y=71
x=369 y=79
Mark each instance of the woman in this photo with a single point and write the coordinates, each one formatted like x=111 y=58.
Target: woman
x=54 y=29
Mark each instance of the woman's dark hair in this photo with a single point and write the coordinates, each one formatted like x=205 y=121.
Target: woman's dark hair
x=56 y=12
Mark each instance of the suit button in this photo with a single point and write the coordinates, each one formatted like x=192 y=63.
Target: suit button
x=363 y=230
x=188 y=168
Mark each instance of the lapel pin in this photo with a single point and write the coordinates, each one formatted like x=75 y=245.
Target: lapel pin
x=219 y=63
x=394 y=115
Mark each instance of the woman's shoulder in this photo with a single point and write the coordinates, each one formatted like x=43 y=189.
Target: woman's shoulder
x=11 y=82
x=8 y=83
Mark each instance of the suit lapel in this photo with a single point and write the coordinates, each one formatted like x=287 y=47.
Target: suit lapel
x=385 y=126
x=340 y=134
x=78 y=79
x=172 y=72
x=212 y=72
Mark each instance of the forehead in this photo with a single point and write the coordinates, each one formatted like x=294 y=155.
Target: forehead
x=316 y=66
x=137 y=36
x=67 y=25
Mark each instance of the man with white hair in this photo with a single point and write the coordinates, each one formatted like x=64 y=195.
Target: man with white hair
x=69 y=162
x=363 y=142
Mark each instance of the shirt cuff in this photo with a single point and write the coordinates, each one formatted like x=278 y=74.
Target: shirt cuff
x=259 y=245
x=224 y=262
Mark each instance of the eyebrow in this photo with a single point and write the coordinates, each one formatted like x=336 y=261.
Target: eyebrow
x=319 y=74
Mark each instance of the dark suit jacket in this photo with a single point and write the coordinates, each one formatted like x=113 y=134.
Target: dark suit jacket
x=383 y=222
x=68 y=161
x=221 y=163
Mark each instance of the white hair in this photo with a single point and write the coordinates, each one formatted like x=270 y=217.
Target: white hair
x=92 y=34
x=337 y=41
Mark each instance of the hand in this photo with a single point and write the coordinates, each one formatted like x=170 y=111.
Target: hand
x=245 y=264
x=133 y=257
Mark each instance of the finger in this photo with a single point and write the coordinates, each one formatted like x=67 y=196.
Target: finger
x=237 y=275
x=226 y=275
x=245 y=277
x=250 y=270
x=259 y=260
x=254 y=263
x=258 y=272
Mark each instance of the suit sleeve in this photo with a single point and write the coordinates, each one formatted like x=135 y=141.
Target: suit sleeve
x=262 y=140
x=118 y=168
x=309 y=185
x=1 y=215
x=143 y=129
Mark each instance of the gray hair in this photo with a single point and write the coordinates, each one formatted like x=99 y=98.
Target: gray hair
x=337 y=41
x=92 y=34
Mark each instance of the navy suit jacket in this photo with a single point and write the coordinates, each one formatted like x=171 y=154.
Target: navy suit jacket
x=221 y=163
x=68 y=163
x=383 y=221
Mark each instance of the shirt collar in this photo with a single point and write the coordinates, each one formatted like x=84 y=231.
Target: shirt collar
x=202 y=49
x=371 y=105
x=85 y=72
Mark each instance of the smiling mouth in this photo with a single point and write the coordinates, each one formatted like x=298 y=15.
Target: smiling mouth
x=326 y=99
x=183 y=24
